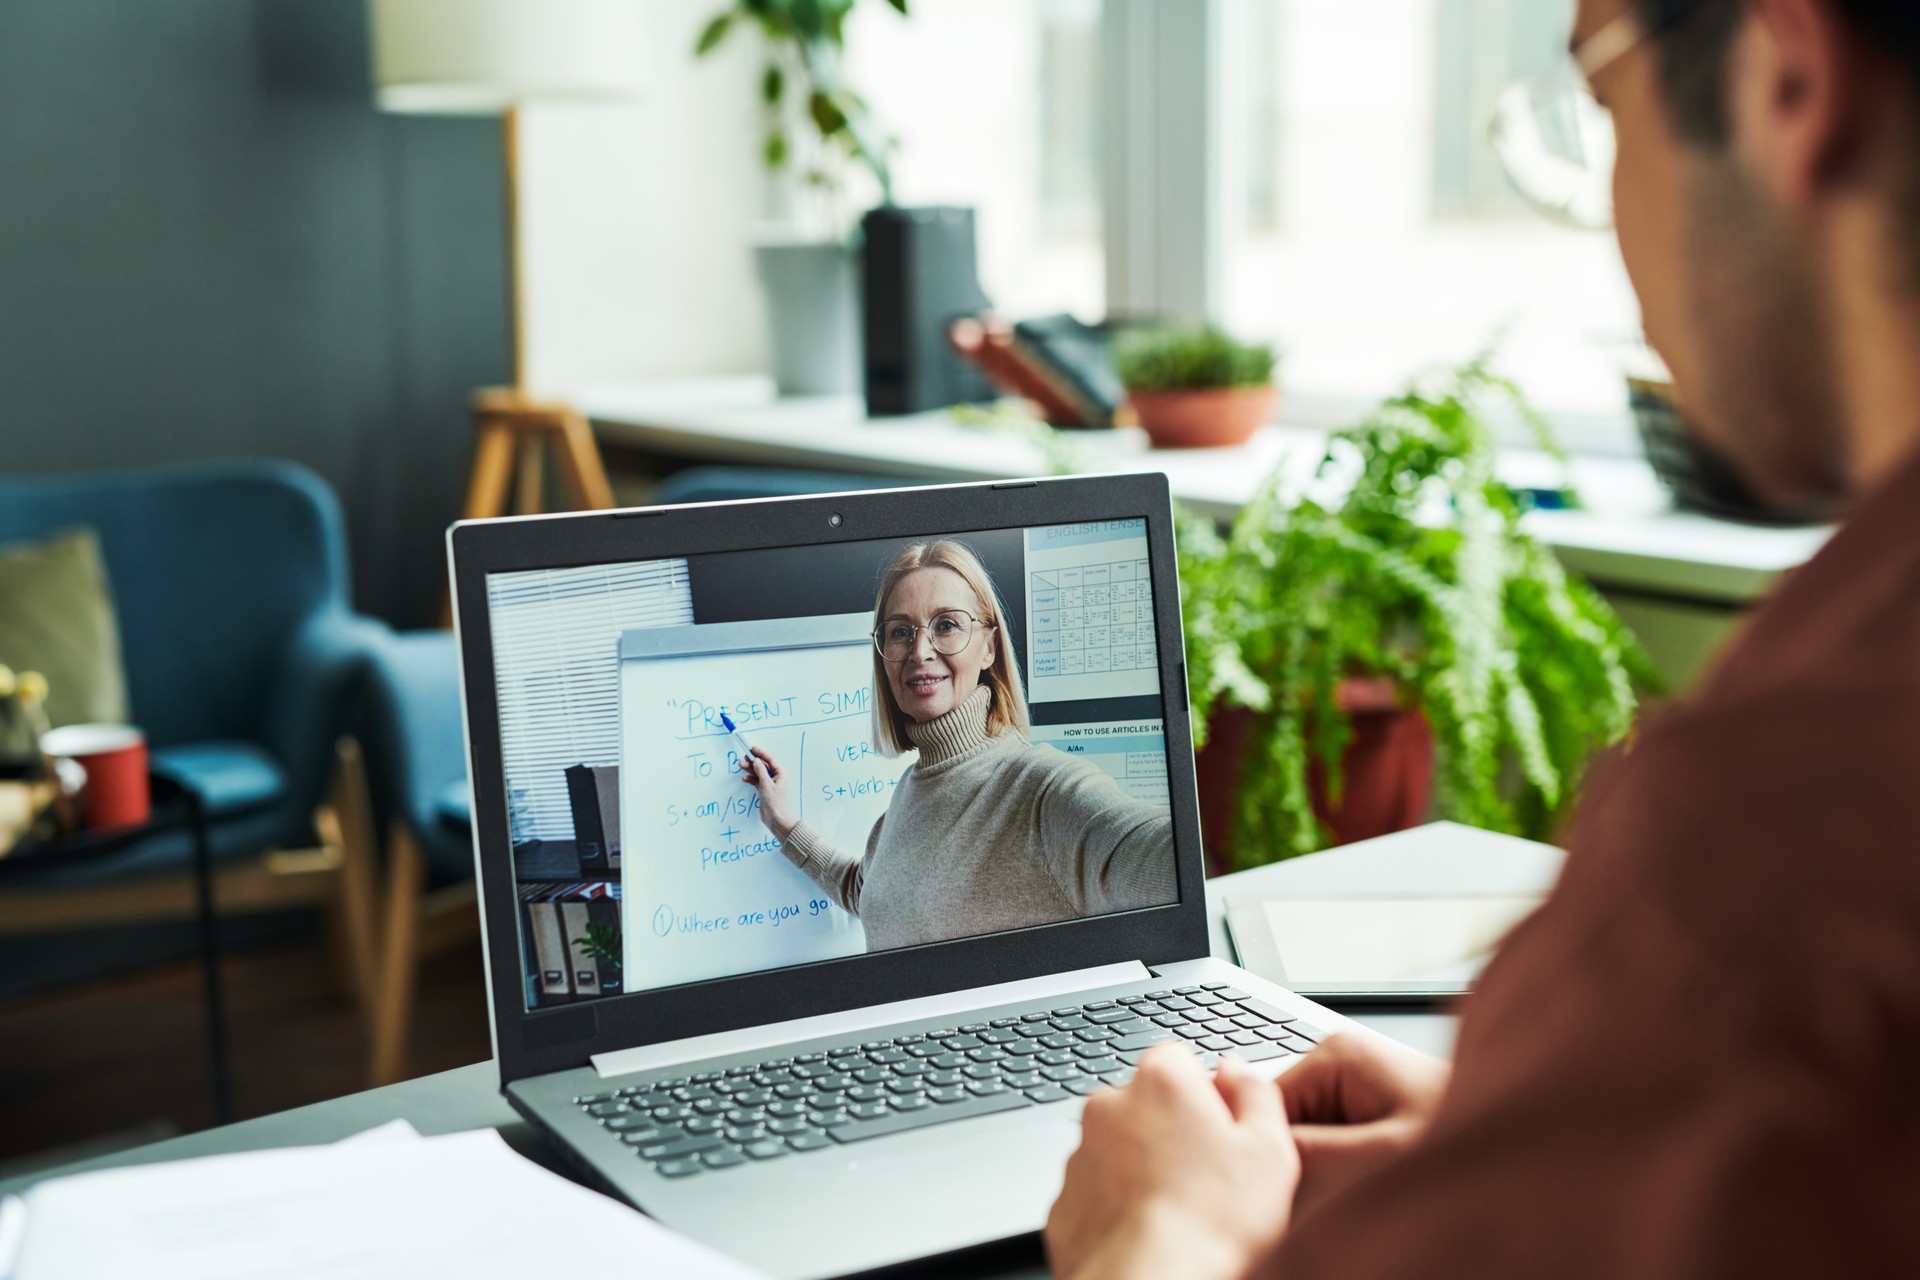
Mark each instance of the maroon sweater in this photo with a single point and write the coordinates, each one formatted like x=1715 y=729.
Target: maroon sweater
x=1701 y=1057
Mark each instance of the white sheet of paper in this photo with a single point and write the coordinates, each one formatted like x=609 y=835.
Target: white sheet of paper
x=391 y=1131
x=377 y=1208
x=13 y=1231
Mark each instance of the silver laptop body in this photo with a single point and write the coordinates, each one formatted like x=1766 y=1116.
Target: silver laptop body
x=647 y=1009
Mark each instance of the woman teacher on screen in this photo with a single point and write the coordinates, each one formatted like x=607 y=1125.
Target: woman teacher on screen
x=987 y=831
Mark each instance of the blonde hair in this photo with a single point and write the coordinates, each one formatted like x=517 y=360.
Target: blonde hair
x=1008 y=708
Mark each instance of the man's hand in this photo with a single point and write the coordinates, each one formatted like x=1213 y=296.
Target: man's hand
x=1176 y=1175
x=1356 y=1102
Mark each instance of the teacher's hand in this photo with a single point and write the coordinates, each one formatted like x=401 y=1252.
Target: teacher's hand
x=763 y=773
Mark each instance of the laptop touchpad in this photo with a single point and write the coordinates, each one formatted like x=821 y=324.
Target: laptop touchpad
x=947 y=1188
x=1017 y=1168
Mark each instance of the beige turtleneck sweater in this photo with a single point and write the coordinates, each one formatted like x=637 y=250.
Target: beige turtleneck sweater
x=986 y=833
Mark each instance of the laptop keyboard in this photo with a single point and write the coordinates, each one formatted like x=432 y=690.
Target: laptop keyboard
x=855 y=1091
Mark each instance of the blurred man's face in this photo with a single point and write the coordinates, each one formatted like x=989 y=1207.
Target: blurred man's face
x=1724 y=286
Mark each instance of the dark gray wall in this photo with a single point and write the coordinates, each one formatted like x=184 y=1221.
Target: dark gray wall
x=212 y=245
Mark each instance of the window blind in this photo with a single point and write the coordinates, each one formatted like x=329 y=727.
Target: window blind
x=556 y=636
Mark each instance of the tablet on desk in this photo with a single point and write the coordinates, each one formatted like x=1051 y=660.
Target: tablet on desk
x=1375 y=947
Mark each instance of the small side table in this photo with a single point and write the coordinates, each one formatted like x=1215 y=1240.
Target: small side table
x=175 y=808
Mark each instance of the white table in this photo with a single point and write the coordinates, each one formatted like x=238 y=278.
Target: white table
x=1628 y=539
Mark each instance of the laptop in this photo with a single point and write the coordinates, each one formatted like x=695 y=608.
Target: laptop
x=847 y=1020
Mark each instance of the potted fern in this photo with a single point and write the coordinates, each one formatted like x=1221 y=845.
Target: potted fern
x=1397 y=583
x=816 y=131
x=1195 y=387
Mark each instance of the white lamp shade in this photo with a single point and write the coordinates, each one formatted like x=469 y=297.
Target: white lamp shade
x=479 y=57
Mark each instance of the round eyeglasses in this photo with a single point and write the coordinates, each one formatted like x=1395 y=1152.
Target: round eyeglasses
x=1555 y=141
x=1557 y=147
x=948 y=632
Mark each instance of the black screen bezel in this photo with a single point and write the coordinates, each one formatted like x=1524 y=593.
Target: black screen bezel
x=538 y=1041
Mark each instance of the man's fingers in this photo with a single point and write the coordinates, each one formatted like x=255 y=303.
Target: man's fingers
x=1167 y=1079
x=1169 y=1067
x=1315 y=1088
x=1334 y=1155
x=1337 y=1150
x=1251 y=1098
x=1310 y=1089
x=1340 y=1139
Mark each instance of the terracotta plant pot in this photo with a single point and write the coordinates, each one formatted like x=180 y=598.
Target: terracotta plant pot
x=1203 y=418
x=1388 y=770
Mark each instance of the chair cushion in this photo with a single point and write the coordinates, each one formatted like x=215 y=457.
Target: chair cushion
x=231 y=777
x=57 y=618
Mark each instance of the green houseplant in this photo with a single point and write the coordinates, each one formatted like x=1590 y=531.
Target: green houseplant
x=1195 y=386
x=815 y=130
x=1403 y=559
x=815 y=125
x=601 y=944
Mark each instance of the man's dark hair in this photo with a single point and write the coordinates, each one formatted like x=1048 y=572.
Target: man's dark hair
x=1694 y=38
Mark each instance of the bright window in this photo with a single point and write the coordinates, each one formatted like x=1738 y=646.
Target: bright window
x=1368 y=227
x=994 y=104
x=1390 y=239
x=557 y=637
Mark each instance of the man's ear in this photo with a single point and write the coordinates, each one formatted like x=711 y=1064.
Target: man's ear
x=1804 y=94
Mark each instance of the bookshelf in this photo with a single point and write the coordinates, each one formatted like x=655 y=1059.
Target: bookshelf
x=564 y=910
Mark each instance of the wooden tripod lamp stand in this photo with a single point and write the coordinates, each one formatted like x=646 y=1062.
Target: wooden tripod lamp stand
x=489 y=57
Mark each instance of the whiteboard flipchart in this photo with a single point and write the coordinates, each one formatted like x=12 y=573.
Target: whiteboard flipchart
x=705 y=888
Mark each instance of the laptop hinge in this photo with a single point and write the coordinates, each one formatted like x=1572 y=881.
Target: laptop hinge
x=772 y=1035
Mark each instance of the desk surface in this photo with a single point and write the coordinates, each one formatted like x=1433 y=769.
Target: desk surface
x=1442 y=857
x=1629 y=536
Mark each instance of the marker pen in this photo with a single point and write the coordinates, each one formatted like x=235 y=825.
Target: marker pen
x=746 y=748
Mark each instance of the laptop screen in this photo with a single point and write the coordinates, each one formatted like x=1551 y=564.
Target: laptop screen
x=740 y=761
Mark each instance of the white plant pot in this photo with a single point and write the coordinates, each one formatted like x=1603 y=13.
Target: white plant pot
x=813 y=316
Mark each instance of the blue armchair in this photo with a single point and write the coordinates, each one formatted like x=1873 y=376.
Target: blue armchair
x=230 y=584
x=418 y=779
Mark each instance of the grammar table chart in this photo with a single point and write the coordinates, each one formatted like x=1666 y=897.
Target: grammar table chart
x=1090 y=611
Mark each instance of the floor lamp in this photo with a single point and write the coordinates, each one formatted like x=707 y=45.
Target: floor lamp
x=491 y=57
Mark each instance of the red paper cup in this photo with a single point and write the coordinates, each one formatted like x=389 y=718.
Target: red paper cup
x=115 y=758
